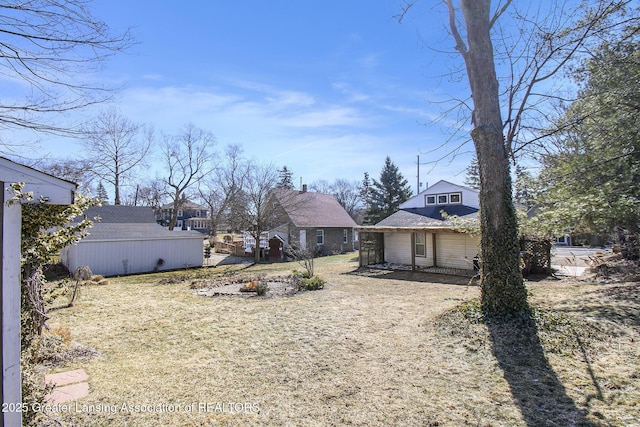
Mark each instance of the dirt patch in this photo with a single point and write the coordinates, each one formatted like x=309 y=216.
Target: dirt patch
x=277 y=286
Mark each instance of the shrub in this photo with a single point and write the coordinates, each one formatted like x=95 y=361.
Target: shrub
x=311 y=283
x=262 y=288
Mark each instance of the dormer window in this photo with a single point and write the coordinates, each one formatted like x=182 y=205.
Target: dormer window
x=443 y=199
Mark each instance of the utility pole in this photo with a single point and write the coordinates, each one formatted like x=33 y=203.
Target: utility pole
x=418 y=183
x=418 y=174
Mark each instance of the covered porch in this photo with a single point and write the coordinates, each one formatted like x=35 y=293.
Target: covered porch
x=433 y=249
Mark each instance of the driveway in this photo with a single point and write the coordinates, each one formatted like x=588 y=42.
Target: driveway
x=573 y=261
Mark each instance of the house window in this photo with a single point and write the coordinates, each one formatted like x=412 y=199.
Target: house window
x=443 y=199
x=421 y=246
x=345 y=236
x=430 y=200
x=198 y=214
x=320 y=237
x=455 y=198
x=180 y=212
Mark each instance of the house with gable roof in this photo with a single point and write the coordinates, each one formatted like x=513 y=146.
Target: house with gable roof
x=314 y=221
x=190 y=216
x=418 y=236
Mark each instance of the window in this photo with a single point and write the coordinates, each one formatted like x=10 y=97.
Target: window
x=345 y=236
x=179 y=213
x=430 y=200
x=455 y=198
x=443 y=199
x=198 y=213
x=320 y=237
x=421 y=247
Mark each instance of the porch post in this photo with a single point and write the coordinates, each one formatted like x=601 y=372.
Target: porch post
x=434 y=248
x=413 y=251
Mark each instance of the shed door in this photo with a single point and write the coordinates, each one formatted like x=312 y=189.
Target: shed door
x=275 y=249
x=303 y=240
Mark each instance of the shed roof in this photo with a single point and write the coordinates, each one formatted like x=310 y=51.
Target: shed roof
x=306 y=209
x=136 y=231
x=118 y=214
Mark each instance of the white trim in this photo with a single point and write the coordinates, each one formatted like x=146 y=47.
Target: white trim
x=11 y=383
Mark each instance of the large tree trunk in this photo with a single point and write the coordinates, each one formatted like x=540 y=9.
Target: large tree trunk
x=503 y=288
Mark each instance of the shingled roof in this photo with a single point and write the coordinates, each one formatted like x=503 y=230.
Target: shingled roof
x=422 y=218
x=117 y=222
x=118 y=214
x=314 y=210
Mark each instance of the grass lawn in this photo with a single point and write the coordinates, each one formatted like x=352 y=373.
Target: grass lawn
x=368 y=350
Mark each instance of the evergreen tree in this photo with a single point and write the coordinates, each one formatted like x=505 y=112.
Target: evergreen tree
x=286 y=178
x=525 y=188
x=472 y=178
x=590 y=183
x=102 y=194
x=386 y=195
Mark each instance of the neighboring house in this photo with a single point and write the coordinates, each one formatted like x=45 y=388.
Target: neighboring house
x=128 y=240
x=418 y=235
x=191 y=216
x=313 y=221
x=58 y=192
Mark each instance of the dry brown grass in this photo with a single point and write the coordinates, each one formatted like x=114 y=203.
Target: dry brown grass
x=369 y=349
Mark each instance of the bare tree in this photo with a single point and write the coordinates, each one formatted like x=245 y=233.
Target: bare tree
x=222 y=190
x=187 y=160
x=533 y=46
x=502 y=289
x=347 y=193
x=260 y=214
x=115 y=149
x=321 y=186
x=549 y=42
x=150 y=194
x=50 y=45
x=74 y=170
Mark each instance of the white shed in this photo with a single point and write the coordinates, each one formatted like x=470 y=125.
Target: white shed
x=56 y=191
x=419 y=236
x=127 y=240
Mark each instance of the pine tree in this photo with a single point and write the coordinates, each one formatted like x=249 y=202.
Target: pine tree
x=286 y=178
x=472 y=178
x=102 y=194
x=386 y=195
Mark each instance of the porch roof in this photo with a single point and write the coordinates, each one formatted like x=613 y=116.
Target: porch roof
x=414 y=229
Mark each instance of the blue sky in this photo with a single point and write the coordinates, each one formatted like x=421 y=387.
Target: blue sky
x=327 y=88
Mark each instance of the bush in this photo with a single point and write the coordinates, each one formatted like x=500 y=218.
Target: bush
x=262 y=288
x=311 y=283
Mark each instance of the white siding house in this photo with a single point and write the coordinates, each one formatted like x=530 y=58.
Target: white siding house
x=127 y=240
x=419 y=236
